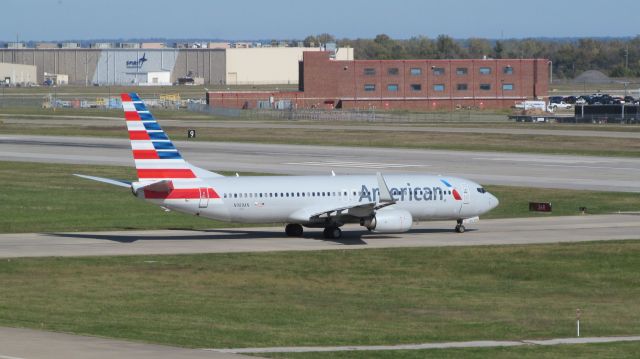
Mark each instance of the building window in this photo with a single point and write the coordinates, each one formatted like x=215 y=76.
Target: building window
x=507 y=87
x=461 y=71
x=507 y=70
x=462 y=87
x=438 y=87
x=369 y=87
x=416 y=71
x=485 y=87
x=393 y=71
x=392 y=87
x=369 y=71
x=416 y=87
x=485 y=71
x=438 y=71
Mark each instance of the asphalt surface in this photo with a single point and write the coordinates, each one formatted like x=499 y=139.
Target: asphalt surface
x=529 y=170
x=270 y=239
x=34 y=344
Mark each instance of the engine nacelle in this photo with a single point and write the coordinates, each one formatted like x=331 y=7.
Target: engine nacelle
x=389 y=221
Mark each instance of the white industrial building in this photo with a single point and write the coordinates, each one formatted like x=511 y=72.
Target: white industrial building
x=16 y=74
x=271 y=65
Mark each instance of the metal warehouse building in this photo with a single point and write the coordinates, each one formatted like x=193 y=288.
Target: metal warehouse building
x=11 y=74
x=402 y=84
x=120 y=66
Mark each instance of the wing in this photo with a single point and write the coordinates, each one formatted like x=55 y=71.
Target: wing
x=359 y=210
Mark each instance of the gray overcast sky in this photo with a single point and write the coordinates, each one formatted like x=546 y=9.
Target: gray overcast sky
x=294 y=19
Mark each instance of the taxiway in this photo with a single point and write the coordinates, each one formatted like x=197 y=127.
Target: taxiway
x=270 y=239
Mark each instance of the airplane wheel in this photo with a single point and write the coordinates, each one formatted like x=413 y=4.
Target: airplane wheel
x=332 y=233
x=460 y=228
x=293 y=230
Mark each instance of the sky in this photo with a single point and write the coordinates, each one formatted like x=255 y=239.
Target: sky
x=50 y=20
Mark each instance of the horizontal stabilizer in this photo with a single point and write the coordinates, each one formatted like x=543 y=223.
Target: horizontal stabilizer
x=110 y=181
x=164 y=186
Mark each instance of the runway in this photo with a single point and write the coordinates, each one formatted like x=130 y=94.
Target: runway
x=529 y=170
x=272 y=239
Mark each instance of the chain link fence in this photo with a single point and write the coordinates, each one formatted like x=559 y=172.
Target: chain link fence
x=349 y=115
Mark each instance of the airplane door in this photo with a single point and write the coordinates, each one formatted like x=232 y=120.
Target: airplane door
x=204 y=198
x=466 y=196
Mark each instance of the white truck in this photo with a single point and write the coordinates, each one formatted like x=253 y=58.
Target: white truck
x=532 y=105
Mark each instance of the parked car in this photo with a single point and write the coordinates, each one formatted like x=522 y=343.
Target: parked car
x=555 y=99
x=581 y=101
x=555 y=106
x=629 y=100
x=601 y=99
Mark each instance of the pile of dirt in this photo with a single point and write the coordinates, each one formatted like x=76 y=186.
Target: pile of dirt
x=593 y=77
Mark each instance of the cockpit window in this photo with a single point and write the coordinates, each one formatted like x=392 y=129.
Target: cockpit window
x=482 y=190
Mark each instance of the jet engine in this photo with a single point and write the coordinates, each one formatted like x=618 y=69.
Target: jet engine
x=389 y=221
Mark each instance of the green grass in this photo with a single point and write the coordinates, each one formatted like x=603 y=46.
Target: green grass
x=615 y=350
x=514 y=201
x=39 y=197
x=365 y=297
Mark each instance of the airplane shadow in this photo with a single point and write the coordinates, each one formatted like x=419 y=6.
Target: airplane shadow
x=349 y=238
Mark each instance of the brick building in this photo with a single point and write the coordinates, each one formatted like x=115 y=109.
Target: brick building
x=402 y=84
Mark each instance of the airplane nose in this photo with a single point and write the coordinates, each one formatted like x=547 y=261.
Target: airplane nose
x=493 y=201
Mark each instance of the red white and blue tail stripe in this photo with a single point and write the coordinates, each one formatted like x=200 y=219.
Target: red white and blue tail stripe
x=155 y=156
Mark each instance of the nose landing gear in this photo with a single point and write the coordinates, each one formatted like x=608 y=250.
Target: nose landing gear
x=460 y=227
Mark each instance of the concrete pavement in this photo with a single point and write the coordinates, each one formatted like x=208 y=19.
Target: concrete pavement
x=269 y=239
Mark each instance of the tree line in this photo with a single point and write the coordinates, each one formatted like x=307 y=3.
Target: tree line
x=613 y=56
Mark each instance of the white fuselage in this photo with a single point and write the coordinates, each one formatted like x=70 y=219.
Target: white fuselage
x=292 y=199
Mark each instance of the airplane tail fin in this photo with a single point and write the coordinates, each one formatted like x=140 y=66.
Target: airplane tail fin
x=155 y=156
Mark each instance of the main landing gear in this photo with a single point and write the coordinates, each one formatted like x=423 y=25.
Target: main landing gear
x=332 y=233
x=293 y=230
x=296 y=230
x=460 y=227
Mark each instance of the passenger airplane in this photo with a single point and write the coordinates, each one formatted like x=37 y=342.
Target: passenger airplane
x=384 y=204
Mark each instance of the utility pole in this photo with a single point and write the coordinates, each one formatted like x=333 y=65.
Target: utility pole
x=626 y=58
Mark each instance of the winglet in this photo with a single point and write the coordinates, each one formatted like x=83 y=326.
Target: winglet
x=385 y=195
